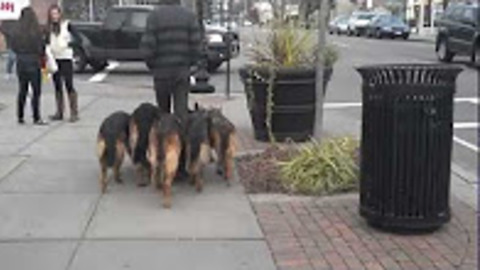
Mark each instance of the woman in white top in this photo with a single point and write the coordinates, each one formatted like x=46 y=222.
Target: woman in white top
x=61 y=37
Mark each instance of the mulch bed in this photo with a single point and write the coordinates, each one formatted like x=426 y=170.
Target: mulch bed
x=260 y=173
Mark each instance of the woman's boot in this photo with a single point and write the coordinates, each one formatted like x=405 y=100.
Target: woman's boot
x=58 y=116
x=73 y=99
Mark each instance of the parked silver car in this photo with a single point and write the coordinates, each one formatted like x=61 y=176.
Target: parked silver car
x=358 y=22
x=339 y=25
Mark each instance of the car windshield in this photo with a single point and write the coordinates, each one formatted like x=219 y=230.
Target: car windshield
x=365 y=16
x=395 y=20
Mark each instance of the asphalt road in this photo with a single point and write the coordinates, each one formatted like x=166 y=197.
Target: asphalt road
x=345 y=87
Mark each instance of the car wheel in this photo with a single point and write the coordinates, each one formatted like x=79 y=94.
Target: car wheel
x=443 y=53
x=213 y=66
x=79 y=61
x=405 y=36
x=98 y=65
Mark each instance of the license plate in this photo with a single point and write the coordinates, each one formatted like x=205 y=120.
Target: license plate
x=398 y=33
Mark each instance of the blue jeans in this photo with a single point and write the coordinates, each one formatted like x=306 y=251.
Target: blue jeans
x=11 y=59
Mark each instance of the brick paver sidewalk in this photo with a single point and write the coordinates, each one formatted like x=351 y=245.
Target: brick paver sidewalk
x=311 y=234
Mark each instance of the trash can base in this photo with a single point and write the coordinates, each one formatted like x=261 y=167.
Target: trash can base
x=408 y=225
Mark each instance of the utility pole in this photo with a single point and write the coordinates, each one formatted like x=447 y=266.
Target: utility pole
x=322 y=40
x=229 y=48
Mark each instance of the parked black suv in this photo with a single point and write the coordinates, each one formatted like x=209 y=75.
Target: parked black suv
x=459 y=33
x=118 y=38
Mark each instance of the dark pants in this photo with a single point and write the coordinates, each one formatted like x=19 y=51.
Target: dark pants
x=64 y=75
x=174 y=88
x=28 y=78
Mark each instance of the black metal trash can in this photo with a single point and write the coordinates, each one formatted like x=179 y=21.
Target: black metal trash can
x=406 y=145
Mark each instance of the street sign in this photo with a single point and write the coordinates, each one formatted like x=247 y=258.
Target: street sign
x=11 y=9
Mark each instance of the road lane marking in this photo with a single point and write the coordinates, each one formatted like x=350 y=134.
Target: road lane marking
x=100 y=76
x=465 y=144
x=471 y=125
x=342 y=105
x=473 y=100
x=340 y=44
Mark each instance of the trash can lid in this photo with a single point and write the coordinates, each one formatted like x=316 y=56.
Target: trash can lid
x=410 y=73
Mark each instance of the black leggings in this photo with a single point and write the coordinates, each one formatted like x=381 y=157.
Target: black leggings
x=64 y=74
x=28 y=78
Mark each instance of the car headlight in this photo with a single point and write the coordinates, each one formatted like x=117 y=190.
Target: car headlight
x=215 y=38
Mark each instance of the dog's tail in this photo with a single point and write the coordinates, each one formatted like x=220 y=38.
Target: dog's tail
x=111 y=151
x=107 y=148
x=139 y=153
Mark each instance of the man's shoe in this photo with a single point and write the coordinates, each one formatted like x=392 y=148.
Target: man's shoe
x=21 y=122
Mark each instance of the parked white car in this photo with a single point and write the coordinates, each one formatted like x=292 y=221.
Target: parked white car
x=358 y=22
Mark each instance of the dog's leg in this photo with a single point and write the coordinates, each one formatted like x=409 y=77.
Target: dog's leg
x=116 y=173
x=141 y=176
x=101 y=146
x=218 y=150
x=229 y=157
x=189 y=164
x=167 y=190
x=199 y=179
x=103 y=177
x=228 y=169
x=172 y=148
x=152 y=156
x=118 y=162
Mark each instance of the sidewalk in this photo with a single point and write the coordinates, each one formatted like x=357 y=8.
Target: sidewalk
x=52 y=215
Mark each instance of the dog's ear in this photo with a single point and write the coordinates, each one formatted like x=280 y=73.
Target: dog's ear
x=197 y=106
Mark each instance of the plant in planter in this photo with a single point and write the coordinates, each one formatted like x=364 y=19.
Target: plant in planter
x=280 y=83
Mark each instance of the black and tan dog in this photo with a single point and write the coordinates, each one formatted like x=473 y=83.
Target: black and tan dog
x=164 y=150
x=197 y=145
x=112 y=143
x=141 y=122
x=223 y=140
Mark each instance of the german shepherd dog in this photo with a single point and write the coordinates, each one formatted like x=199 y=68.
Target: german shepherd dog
x=222 y=136
x=112 y=143
x=141 y=122
x=164 y=150
x=197 y=145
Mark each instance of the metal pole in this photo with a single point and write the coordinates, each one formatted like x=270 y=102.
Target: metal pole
x=90 y=11
x=421 y=20
x=229 y=48
x=322 y=39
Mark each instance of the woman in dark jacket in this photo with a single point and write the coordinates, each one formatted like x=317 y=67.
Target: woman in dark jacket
x=28 y=44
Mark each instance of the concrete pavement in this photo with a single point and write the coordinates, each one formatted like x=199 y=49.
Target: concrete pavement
x=52 y=215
